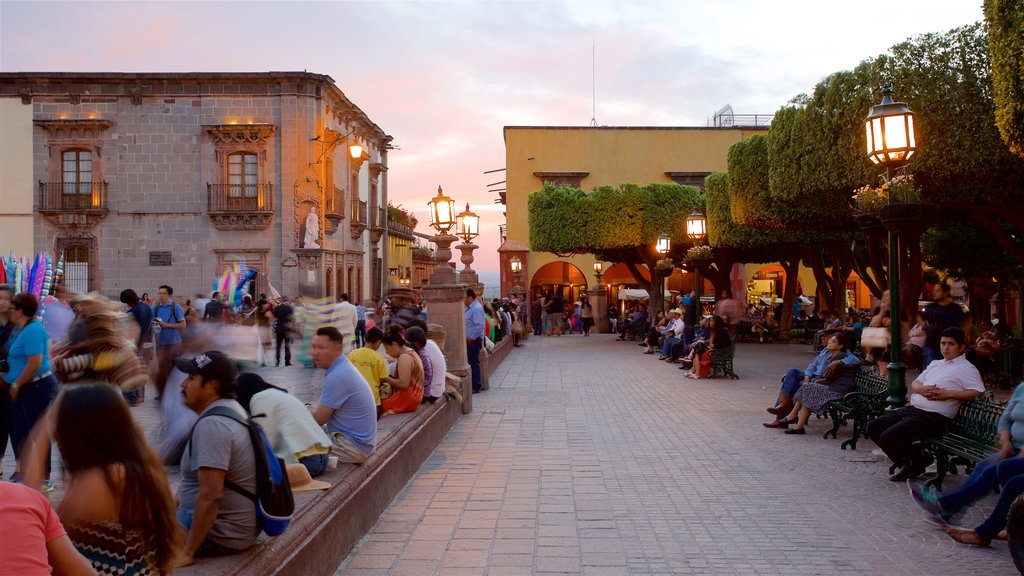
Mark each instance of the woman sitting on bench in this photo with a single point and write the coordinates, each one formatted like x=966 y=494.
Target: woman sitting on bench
x=1004 y=469
x=838 y=380
x=719 y=341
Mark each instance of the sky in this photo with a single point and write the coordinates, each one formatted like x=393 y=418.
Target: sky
x=444 y=78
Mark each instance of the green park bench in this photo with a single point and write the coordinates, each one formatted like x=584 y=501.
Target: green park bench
x=721 y=362
x=862 y=405
x=972 y=437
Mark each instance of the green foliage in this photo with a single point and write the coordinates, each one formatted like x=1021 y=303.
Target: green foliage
x=1005 y=20
x=609 y=220
x=401 y=216
x=748 y=182
x=967 y=251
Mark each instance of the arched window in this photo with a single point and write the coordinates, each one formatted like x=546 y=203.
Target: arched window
x=243 y=171
x=328 y=286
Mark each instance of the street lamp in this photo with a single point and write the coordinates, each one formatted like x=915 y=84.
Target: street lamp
x=664 y=244
x=467 y=227
x=889 y=129
x=442 y=219
x=697 y=230
x=598 y=271
x=516 y=265
x=661 y=246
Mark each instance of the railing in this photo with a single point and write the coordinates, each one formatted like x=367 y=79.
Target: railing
x=382 y=217
x=742 y=119
x=401 y=229
x=501 y=234
x=240 y=197
x=359 y=211
x=335 y=201
x=73 y=196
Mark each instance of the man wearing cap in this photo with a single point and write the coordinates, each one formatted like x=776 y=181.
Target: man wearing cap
x=346 y=406
x=344 y=319
x=403 y=307
x=474 y=318
x=218 y=520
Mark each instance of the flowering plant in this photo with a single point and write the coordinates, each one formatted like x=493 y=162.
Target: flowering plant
x=665 y=265
x=902 y=190
x=868 y=199
x=699 y=253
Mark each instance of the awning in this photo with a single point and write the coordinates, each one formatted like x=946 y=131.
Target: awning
x=637 y=294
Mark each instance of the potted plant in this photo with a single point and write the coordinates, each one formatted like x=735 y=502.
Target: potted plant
x=904 y=213
x=665 y=265
x=698 y=253
x=867 y=200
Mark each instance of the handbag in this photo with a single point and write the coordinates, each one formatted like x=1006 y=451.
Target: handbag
x=874 y=337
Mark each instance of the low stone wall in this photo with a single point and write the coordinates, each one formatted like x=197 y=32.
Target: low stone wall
x=329 y=523
x=489 y=362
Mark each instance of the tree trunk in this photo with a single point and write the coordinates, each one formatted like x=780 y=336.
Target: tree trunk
x=792 y=268
x=841 y=268
x=825 y=285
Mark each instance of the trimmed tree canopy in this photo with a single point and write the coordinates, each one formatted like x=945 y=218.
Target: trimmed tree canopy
x=1006 y=48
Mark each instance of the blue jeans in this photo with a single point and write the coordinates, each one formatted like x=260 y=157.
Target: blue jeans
x=987 y=475
x=473 y=353
x=791 y=382
x=316 y=464
x=360 y=333
x=666 y=347
x=689 y=334
x=33 y=400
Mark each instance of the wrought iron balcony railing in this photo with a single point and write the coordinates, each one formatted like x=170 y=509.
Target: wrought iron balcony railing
x=240 y=197
x=73 y=196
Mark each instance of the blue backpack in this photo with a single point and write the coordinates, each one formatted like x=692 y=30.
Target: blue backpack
x=273 y=498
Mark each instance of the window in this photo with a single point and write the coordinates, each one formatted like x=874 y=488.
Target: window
x=243 y=171
x=76 y=172
x=76 y=268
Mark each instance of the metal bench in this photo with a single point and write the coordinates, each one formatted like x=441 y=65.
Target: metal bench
x=862 y=405
x=721 y=362
x=972 y=437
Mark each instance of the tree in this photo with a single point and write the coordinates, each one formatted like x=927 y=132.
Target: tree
x=1005 y=20
x=617 y=224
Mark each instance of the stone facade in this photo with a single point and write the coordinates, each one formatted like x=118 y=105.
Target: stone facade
x=173 y=178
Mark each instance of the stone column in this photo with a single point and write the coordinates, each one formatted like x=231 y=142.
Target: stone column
x=445 y=297
x=599 y=304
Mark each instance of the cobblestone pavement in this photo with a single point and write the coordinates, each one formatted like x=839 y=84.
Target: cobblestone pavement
x=587 y=457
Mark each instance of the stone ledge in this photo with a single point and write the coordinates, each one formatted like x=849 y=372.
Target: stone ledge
x=328 y=524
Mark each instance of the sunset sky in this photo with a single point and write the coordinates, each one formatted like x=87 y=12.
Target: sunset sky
x=443 y=78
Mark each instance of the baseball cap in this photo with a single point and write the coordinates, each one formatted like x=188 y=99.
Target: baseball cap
x=211 y=365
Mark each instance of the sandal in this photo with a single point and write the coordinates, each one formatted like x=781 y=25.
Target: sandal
x=1002 y=536
x=967 y=536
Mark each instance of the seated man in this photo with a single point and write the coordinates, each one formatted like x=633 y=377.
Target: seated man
x=935 y=399
x=638 y=322
x=673 y=333
x=794 y=378
x=219 y=520
x=347 y=408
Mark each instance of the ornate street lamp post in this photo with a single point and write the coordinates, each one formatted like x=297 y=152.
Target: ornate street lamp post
x=467 y=227
x=696 y=230
x=889 y=129
x=598 y=271
x=662 y=247
x=442 y=219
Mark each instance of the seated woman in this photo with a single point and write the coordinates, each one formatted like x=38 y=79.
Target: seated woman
x=913 y=350
x=719 y=339
x=1004 y=470
x=835 y=354
x=118 y=509
x=407 y=381
x=686 y=351
x=761 y=323
x=839 y=380
x=654 y=333
x=294 y=435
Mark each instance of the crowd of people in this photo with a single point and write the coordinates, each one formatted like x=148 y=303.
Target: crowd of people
x=73 y=367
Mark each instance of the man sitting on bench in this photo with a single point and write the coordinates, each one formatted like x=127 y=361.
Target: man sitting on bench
x=935 y=399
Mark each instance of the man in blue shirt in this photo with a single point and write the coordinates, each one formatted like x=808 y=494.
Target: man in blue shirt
x=474 y=317
x=347 y=408
x=168 y=323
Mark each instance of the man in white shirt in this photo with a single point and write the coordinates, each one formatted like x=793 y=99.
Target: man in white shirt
x=673 y=333
x=935 y=399
x=344 y=319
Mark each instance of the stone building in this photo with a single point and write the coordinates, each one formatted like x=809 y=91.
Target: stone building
x=146 y=179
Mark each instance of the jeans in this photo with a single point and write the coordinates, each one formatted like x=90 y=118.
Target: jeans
x=538 y=325
x=33 y=400
x=283 y=338
x=791 y=382
x=988 y=475
x=689 y=334
x=896 y=432
x=208 y=548
x=316 y=464
x=473 y=356
x=5 y=419
x=666 y=347
x=360 y=333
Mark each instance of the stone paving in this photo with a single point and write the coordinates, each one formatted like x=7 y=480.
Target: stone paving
x=587 y=457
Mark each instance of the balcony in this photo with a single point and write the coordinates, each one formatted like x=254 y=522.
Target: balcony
x=380 y=219
x=73 y=204
x=334 y=210
x=240 y=206
x=396 y=229
x=358 y=222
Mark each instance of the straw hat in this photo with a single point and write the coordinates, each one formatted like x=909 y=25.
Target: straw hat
x=301 y=481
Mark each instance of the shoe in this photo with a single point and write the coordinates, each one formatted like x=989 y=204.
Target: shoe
x=796 y=431
x=662 y=357
x=929 y=502
x=648 y=352
x=783 y=423
x=780 y=410
x=967 y=536
x=47 y=487
x=908 y=471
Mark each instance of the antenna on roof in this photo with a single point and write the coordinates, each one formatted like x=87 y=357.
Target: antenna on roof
x=593 y=81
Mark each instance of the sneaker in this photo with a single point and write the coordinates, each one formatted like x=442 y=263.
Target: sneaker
x=929 y=502
x=47 y=487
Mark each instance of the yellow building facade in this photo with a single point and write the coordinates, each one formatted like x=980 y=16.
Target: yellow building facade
x=16 y=183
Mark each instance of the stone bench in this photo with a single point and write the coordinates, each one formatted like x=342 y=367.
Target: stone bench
x=328 y=523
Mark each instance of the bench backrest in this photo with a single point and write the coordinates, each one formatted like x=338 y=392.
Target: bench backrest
x=871 y=382
x=978 y=419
